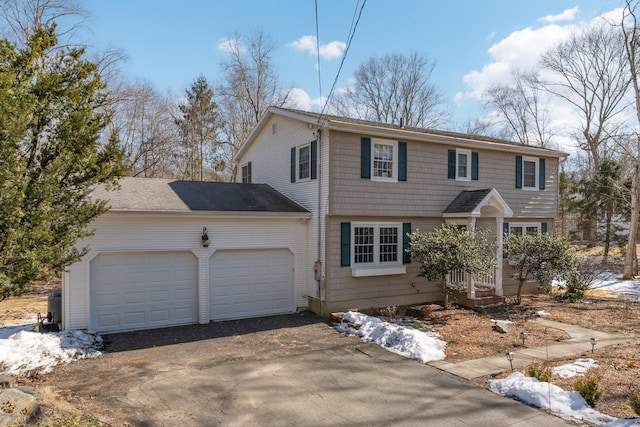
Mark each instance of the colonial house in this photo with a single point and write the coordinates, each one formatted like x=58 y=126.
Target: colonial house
x=368 y=184
x=318 y=219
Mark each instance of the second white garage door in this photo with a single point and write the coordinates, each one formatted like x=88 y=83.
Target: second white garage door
x=142 y=290
x=250 y=283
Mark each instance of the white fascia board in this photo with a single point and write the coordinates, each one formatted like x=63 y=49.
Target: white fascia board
x=213 y=214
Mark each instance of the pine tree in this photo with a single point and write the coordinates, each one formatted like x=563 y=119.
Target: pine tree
x=51 y=110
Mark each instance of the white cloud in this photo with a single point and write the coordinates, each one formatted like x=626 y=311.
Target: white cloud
x=300 y=99
x=567 y=15
x=492 y=35
x=330 y=50
x=231 y=45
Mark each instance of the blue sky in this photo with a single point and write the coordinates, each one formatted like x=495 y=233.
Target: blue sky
x=474 y=42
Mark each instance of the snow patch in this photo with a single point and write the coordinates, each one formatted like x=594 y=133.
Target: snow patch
x=26 y=351
x=405 y=341
x=579 y=367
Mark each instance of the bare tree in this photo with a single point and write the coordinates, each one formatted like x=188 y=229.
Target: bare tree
x=521 y=110
x=630 y=32
x=590 y=72
x=144 y=122
x=22 y=17
x=249 y=86
x=394 y=88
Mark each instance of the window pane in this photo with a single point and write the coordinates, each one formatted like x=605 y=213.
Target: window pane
x=363 y=245
x=245 y=174
x=532 y=231
x=383 y=160
x=388 y=244
x=516 y=230
x=529 y=174
x=462 y=165
x=304 y=162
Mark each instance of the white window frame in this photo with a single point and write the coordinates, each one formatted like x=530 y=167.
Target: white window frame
x=524 y=226
x=536 y=178
x=377 y=268
x=243 y=168
x=394 y=160
x=298 y=152
x=468 y=166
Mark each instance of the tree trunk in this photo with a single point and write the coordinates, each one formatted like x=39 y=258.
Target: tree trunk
x=445 y=292
x=607 y=236
x=519 y=295
x=630 y=257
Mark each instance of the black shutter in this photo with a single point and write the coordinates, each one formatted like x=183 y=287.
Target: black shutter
x=406 y=229
x=451 y=172
x=542 y=178
x=293 y=164
x=314 y=159
x=345 y=244
x=402 y=161
x=518 y=171
x=543 y=227
x=365 y=158
x=505 y=227
x=249 y=173
x=474 y=165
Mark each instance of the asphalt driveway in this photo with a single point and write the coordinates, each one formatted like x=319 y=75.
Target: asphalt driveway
x=280 y=371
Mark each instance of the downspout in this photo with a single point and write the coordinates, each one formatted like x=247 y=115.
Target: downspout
x=319 y=276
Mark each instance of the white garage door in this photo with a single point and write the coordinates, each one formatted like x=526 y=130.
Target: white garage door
x=250 y=283
x=142 y=290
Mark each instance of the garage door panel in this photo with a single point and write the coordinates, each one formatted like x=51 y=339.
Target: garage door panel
x=138 y=290
x=250 y=283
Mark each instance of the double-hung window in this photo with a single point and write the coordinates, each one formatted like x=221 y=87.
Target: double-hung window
x=526 y=228
x=246 y=173
x=376 y=248
x=383 y=160
x=384 y=164
x=530 y=173
x=463 y=165
x=304 y=162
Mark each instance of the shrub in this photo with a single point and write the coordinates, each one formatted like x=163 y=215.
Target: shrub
x=589 y=388
x=634 y=402
x=539 y=371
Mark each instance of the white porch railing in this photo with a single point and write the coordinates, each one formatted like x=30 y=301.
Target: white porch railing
x=471 y=281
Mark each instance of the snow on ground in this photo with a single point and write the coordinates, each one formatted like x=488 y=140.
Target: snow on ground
x=566 y=404
x=579 y=367
x=22 y=350
x=403 y=340
x=616 y=287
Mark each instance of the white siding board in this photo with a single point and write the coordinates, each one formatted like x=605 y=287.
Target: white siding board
x=115 y=232
x=270 y=157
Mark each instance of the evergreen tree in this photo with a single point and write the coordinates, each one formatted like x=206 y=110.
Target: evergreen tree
x=50 y=157
x=198 y=126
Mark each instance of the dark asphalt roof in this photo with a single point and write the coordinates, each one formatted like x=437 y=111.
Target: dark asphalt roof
x=155 y=194
x=467 y=201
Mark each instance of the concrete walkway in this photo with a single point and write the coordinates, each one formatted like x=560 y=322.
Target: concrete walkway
x=580 y=342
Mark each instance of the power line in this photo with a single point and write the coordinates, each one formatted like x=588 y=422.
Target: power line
x=318 y=51
x=353 y=28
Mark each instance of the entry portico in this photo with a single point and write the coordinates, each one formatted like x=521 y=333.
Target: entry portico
x=466 y=209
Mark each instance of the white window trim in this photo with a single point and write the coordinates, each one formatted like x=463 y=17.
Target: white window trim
x=468 y=153
x=377 y=268
x=394 y=168
x=242 y=168
x=524 y=226
x=298 y=178
x=537 y=178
